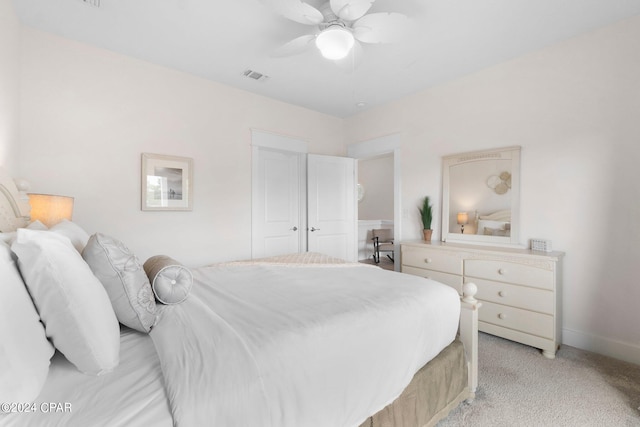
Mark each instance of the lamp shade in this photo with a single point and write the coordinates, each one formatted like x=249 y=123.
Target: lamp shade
x=335 y=42
x=50 y=209
x=463 y=218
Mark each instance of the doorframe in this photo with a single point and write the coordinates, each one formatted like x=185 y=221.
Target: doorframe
x=389 y=144
x=263 y=140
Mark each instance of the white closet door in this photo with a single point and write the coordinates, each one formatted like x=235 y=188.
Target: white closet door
x=331 y=206
x=277 y=203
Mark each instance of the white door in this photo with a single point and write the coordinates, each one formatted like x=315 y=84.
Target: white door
x=331 y=206
x=276 y=212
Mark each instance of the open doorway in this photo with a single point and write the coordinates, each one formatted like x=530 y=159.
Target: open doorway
x=380 y=157
x=375 y=208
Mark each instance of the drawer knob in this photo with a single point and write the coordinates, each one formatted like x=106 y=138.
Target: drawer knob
x=502 y=316
x=502 y=271
x=502 y=293
x=427 y=260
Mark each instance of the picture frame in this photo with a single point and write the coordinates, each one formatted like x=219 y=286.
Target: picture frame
x=167 y=183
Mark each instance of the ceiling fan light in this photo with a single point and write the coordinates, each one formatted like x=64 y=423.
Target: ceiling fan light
x=335 y=42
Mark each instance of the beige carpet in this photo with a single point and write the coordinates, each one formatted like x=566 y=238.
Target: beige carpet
x=519 y=387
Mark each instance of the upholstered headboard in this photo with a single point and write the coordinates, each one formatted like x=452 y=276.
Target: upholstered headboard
x=14 y=207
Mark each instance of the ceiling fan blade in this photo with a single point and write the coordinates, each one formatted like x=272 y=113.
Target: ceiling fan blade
x=381 y=27
x=350 y=10
x=296 y=10
x=295 y=46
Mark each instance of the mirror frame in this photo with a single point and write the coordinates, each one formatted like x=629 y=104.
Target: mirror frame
x=512 y=153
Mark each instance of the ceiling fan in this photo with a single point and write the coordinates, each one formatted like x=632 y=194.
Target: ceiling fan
x=340 y=26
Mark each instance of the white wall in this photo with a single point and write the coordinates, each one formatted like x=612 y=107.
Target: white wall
x=573 y=107
x=376 y=175
x=9 y=84
x=88 y=114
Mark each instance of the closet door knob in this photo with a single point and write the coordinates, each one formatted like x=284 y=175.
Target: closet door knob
x=427 y=260
x=314 y=229
x=501 y=293
x=502 y=271
x=502 y=316
x=294 y=228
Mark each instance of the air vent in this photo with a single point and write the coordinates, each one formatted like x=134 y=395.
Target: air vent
x=255 y=75
x=94 y=3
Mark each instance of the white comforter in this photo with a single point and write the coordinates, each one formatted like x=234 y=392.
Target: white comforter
x=299 y=345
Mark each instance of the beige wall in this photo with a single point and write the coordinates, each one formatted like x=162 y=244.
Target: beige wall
x=88 y=114
x=9 y=78
x=573 y=107
x=376 y=176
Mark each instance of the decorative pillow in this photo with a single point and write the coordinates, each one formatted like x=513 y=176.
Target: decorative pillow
x=171 y=281
x=73 y=306
x=492 y=225
x=24 y=349
x=124 y=279
x=495 y=232
x=74 y=232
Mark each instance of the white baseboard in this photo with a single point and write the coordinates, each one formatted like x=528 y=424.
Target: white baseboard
x=602 y=345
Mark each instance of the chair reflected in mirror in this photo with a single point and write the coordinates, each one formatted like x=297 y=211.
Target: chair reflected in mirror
x=382 y=242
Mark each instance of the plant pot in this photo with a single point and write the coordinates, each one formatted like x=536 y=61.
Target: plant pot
x=427 y=234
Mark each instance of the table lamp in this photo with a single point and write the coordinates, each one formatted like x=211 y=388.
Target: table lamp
x=463 y=218
x=50 y=209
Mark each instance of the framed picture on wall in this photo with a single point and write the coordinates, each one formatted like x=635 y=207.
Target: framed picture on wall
x=167 y=183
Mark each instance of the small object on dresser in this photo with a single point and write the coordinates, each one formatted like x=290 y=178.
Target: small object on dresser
x=541 y=245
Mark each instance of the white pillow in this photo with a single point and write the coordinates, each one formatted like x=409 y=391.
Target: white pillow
x=73 y=305
x=9 y=238
x=126 y=283
x=74 y=232
x=24 y=349
x=37 y=225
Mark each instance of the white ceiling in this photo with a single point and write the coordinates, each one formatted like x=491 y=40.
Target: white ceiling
x=218 y=40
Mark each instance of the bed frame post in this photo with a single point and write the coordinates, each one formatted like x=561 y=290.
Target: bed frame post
x=469 y=333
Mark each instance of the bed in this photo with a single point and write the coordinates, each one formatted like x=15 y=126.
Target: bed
x=495 y=224
x=299 y=340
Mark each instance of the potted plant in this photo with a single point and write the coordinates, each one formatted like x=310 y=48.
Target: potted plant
x=427 y=215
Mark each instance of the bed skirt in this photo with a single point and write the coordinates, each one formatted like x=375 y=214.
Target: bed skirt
x=436 y=389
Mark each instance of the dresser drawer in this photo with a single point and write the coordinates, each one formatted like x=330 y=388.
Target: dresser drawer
x=447 y=278
x=444 y=261
x=539 y=300
x=518 y=319
x=510 y=272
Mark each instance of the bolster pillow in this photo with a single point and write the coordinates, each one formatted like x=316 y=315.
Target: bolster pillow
x=171 y=281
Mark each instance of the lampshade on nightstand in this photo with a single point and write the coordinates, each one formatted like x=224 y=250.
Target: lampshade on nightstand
x=50 y=209
x=463 y=218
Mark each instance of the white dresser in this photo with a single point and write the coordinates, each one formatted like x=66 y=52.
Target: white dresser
x=520 y=289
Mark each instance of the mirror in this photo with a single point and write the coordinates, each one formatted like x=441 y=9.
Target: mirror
x=481 y=197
